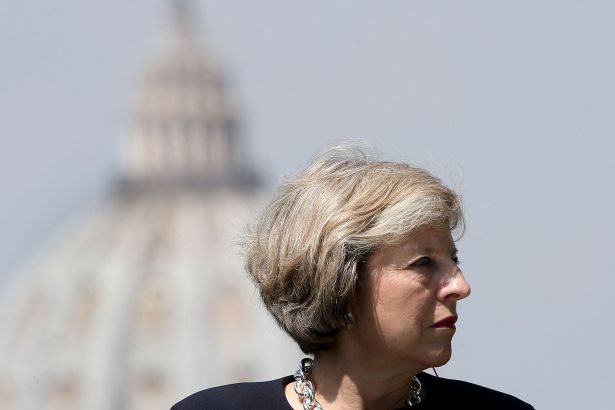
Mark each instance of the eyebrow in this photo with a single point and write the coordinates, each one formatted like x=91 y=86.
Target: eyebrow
x=430 y=250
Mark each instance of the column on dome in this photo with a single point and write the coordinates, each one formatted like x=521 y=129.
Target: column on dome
x=144 y=141
x=155 y=145
x=136 y=151
x=229 y=132
x=198 y=148
x=216 y=150
x=175 y=152
x=209 y=149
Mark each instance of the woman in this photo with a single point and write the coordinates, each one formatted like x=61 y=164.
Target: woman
x=355 y=260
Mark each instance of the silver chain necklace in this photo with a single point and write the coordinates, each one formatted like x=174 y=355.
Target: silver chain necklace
x=305 y=388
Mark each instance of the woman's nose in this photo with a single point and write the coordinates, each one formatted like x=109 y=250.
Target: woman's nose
x=455 y=287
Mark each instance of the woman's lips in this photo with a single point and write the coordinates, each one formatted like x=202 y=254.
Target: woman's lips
x=447 y=322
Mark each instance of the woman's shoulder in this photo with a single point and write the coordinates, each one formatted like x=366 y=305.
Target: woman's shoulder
x=254 y=395
x=468 y=395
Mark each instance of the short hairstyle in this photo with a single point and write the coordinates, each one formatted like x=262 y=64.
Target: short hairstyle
x=306 y=249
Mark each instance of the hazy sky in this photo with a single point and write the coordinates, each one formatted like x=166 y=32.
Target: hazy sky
x=511 y=102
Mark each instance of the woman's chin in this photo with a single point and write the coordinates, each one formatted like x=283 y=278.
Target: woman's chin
x=439 y=357
x=441 y=361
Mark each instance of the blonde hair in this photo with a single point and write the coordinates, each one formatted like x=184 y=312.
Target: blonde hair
x=305 y=251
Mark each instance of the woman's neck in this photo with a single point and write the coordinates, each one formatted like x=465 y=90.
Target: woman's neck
x=349 y=381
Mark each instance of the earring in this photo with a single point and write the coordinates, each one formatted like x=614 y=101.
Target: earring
x=349 y=318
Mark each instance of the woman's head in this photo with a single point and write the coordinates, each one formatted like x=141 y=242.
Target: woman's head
x=307 y=249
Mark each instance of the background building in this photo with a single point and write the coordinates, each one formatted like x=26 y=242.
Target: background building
x=145 y=300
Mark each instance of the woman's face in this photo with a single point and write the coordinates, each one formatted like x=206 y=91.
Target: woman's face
x=407 y=302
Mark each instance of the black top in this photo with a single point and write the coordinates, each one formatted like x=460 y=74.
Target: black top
x=440 y=393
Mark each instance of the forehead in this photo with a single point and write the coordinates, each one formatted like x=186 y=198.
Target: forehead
x=426 y=239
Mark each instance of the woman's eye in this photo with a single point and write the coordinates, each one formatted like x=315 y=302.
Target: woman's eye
x=456 y=260
x=424 y=261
